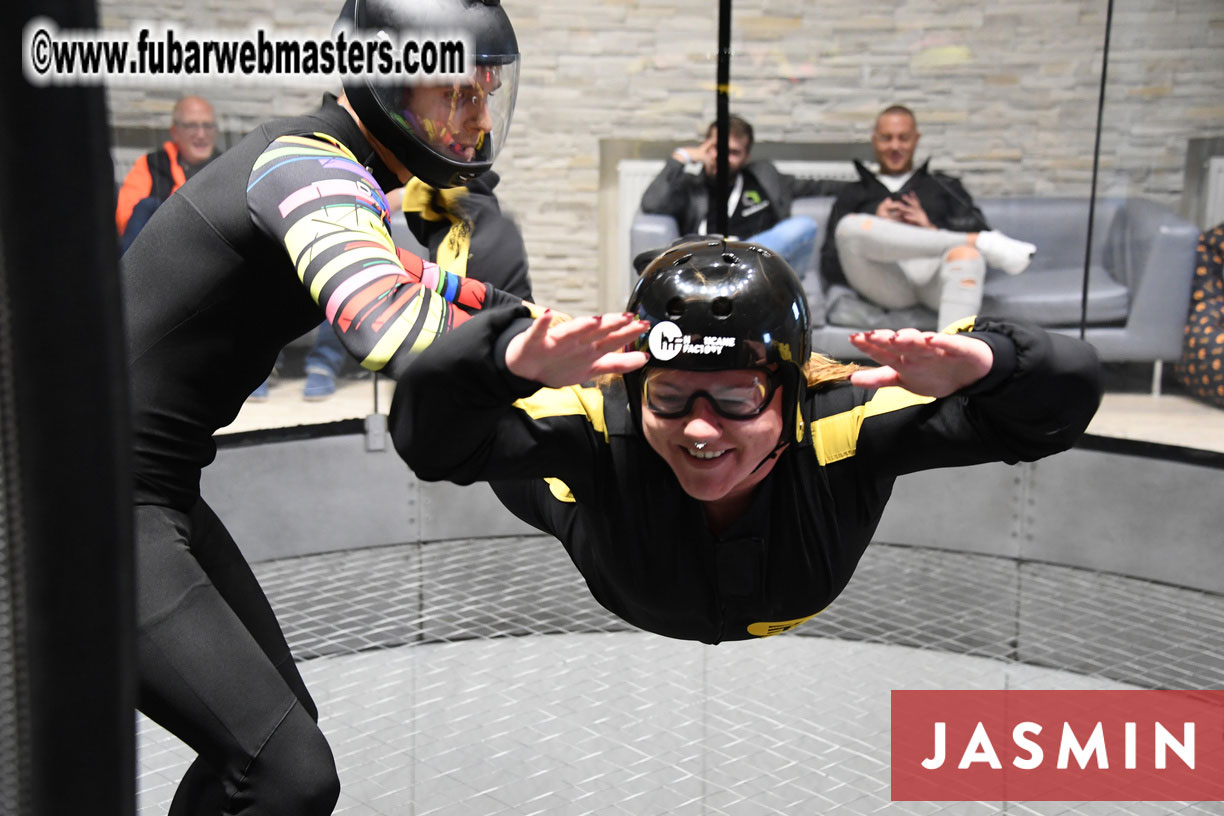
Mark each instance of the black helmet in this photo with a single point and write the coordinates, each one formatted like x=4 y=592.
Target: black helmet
x=442 y=146
x=716 y=305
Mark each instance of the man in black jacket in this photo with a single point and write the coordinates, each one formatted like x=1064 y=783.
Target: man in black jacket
x=904 y=237
x=759 y=203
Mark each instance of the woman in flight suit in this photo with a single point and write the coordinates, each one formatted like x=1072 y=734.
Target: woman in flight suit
x=719 y=482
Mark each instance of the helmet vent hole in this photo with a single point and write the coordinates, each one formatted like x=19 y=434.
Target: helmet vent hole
x=729 y=258
x=721 y=307
x=675 y=307
x=683 y=259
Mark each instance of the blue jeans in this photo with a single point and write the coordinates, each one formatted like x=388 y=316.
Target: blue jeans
x=327 y=355
x=140 y=216
x=794 y=239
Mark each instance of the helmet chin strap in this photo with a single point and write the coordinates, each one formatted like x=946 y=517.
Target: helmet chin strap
x=773 y=454
x=782 y=443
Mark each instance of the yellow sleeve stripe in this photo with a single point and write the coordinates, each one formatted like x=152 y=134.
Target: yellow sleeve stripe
x=332 y=146
x=291 y=148
x=334 y=141
x=432 y=322
x=312 y=236
x=571 y=401
x=366 y=256
x=836 y=437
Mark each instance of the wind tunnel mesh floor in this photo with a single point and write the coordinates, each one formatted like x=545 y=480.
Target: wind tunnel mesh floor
x=472 y=678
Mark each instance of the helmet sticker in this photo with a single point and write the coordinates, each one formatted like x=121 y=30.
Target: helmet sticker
x=667 y=341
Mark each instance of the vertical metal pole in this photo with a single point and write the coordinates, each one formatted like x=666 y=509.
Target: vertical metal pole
x=1096 y=161
x=722 y=182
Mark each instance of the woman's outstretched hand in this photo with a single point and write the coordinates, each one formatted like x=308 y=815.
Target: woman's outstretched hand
x=575 y=351
x=927 y=363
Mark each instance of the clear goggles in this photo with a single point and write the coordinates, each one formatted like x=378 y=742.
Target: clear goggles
x=670 y=393
x=465 y=120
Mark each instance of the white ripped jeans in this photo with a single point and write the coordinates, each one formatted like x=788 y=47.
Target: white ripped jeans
x=896 y=266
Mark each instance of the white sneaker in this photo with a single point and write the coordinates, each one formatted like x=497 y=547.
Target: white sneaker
x=1008 y=254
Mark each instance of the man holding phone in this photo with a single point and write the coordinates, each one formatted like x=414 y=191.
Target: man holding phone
x=903 y=237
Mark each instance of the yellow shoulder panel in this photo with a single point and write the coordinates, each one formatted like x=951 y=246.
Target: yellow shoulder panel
x=570 y=401
x=835 y=437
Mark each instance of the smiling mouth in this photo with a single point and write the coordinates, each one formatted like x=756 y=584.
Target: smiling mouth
x=696 y=454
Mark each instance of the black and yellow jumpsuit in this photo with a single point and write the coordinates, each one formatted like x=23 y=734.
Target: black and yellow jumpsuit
x=572 y=463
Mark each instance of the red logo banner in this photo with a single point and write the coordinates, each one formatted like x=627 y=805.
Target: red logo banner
x=1054 y=746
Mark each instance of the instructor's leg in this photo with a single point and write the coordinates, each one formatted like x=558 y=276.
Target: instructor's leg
x=215 y=670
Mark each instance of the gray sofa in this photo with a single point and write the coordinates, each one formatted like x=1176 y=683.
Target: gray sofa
x=1138 y=286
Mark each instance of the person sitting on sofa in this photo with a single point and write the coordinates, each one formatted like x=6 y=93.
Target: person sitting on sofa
x=904 y=237
x=759 y=202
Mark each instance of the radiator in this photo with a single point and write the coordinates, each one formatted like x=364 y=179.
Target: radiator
x=1213 y=206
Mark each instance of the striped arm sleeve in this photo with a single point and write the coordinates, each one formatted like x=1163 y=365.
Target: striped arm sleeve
x=312 y=196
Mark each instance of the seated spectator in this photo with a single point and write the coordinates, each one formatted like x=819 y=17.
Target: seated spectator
x=904 y=237
x=157 y=174
x=1201 y=368
x=759 y=204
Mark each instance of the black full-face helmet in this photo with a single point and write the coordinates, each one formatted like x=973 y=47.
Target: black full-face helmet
x=445 y=131
x=715 y=305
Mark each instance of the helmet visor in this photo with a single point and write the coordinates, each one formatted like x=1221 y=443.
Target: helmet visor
x=462 y=120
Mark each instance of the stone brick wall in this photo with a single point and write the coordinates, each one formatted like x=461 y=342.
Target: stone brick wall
x=1006 y=93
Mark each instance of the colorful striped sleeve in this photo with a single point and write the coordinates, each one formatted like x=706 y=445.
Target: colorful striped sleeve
x=311 y=195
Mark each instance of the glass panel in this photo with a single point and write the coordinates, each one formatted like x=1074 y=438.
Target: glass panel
x=1162 y=123
x=1006 y=98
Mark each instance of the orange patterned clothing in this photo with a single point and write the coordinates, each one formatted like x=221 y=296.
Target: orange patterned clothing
x=1201 y=369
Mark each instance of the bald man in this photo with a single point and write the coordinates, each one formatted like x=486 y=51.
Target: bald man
x=157 y=174
x=904 y=236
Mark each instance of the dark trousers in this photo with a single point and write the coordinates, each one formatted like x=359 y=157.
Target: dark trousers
x=215 y=670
